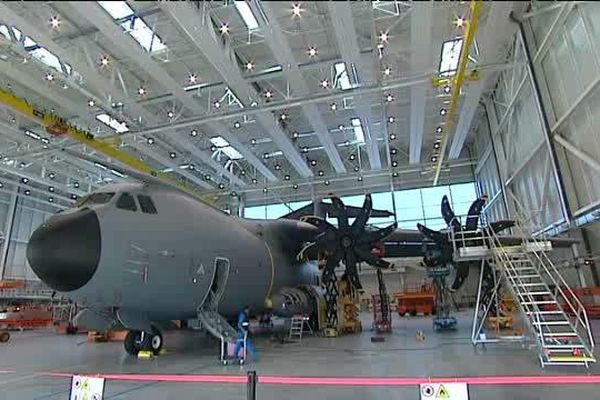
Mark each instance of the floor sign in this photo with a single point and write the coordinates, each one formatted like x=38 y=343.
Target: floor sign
x=86 y=388
x=444 y=391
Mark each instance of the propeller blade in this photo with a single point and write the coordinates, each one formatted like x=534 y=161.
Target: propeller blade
x=381 y=234
x=499 y=226
x=351 y=270
x=318 y=222
x=473 y=214
x=431 y=234
x=449 y=215
x=358 y=226
x=370 y=259
x=342 y=216
x=462 y=272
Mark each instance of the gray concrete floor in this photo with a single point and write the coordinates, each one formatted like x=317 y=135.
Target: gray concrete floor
x=448 y=354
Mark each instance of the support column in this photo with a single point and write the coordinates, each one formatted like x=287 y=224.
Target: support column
x=580 y=274
x=536 y=82
x=242 y=206
x=10 y=219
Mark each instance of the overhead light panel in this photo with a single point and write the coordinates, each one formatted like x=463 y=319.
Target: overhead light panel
x=450 y=56
x=226 y=148
x=359 y=133
x=119 y=127
x=33 y=135
x=246 y=13
x=117 y=173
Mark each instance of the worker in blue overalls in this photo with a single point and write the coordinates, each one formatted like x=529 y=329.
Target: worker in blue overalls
x=243 y=323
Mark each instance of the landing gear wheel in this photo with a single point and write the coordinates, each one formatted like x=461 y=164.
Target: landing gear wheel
x=156 y=342
x=4 y=337
x=133 y=342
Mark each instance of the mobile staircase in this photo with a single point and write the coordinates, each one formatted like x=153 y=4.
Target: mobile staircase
x=552 y=314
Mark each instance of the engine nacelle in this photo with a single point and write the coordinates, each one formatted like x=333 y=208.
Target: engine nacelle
x=289 y=301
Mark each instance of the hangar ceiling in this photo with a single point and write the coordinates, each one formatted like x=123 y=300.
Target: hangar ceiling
x=275 y=100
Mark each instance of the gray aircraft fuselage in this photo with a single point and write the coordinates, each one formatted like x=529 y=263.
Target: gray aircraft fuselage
x=159 y=266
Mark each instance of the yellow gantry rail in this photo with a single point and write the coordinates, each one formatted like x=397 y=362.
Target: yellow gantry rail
x=58 y=126
x=469 y=35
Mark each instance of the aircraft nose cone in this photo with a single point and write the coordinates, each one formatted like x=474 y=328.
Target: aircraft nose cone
x=65 y=250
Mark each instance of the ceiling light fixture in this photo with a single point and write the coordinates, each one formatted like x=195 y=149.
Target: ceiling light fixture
x=243 y=172
x=249 y=66
x=192 y=78
x=76 y=185
x=312 y=51
x=296 y=10
x=392 y=136
x=51 y=189
x=51 y=199
x=443 y=112
x=438 y=129
x=170 y=114
x=217 y=104
x=313 y=162
x=389 y=98
x=55 y=22
x=324 y=83
x=287 y=177
x=277 y=167
x=321 y=173
x=51 y=175
x=237 y=124
x=356 y=168
x=172 y=154
x=394 y=163
x=341 y=127
x=333 y=106
x=268 y=94
x=395 y=174
x=49 y=77
x=352 y=156
x=265 y=190
x=434 y=158
x=326 y=183
x=104 y=61
x=459 y=22
x=266 y=156
x=91 y=103
x=387 y=71
x=73 y=196
x=224 y=29
x=295 y=135
x=194 y=133
x=25 y=180
x=253 y=142
x=150 y=140
x=221 y=186
x=360 y=178
x=141 y=91
x=283 y=116
x=391 y=119
x=436 y=145
x=393 y=151
x=447 y=89
x=305 y=149
x=254 y=180
x=295 y=186
x=383 y=37
x=27 y=192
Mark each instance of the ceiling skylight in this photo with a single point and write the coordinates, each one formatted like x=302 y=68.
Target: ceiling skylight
x=341 y=76
x=226 y=148
x=116 y=9
x=450 y=57
x=359 y=134
x=4 y=31
x=119 y=127
x=135 y=26
x=246 y=13
x=46 y=57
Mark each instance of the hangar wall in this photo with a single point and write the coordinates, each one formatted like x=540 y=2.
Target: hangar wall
x=543 y=164
x=19 y=216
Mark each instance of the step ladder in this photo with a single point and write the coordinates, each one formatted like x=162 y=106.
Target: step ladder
x=297 y=326
x=552 y=313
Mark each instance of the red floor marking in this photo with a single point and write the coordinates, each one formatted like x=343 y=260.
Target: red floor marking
x=341 y=381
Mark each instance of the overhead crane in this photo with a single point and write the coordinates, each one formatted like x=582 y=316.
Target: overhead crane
x=457 y=80
x=57 y=126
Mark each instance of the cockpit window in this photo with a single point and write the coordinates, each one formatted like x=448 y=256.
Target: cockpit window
x=96 y=198
x=146 y=204
x=126 y=202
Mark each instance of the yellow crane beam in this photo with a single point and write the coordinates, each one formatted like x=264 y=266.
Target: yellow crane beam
x=459 y=77
x=58 y=126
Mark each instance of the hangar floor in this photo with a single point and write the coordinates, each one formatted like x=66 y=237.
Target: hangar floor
x=401 y=355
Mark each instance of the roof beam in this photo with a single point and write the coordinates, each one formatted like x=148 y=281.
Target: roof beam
x=421 y=60
x=345 y=34
x=280 y=47
x=493 y=38
x=197 y=26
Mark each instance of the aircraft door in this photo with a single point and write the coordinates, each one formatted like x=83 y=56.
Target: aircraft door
x=218 y=283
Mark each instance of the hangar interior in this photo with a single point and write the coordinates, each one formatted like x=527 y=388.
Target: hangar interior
x=260 y=108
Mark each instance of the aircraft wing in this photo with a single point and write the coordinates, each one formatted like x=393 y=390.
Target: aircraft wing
x=330 y=211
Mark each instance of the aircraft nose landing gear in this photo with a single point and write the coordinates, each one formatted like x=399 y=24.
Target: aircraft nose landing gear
x=137 y=341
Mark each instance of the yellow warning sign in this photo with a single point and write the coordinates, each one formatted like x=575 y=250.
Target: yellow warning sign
x=442 y=393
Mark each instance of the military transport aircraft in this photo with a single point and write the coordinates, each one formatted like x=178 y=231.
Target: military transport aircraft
x=134 y=255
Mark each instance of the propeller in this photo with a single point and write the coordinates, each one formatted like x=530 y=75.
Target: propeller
x=350 y=243
x=442 y=253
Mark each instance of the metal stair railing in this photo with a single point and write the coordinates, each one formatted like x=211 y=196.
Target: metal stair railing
x=575 y=310
x=534 y=316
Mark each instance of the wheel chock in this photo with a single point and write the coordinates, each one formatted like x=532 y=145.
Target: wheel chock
x=145 y=354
